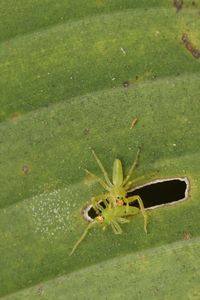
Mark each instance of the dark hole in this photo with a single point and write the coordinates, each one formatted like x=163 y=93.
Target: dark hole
x=161 y=192
x=126 y=83
x=92 y=213
x=157 y=193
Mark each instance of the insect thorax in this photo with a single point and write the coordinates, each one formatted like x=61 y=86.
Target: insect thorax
x=118 y=193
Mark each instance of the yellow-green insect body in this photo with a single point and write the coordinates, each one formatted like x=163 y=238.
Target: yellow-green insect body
x=117 y=193
x=117 y=177
x=113 y=216
x=116 y=203
x=116 y=190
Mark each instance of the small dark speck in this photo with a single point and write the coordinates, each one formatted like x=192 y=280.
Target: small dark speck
x=126 y=83
x=25 y=169
x=193 y=3
x=40 y=290
x=190 y=47
x=187 y=236
x=178 y=4
x=86 y=131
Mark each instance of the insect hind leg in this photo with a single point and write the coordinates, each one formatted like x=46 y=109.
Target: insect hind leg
x=82 y=237
x=141 y=205
x=116 y=227
x=98 y=179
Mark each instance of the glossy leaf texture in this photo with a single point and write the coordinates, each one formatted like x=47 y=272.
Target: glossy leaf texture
x=74 y=76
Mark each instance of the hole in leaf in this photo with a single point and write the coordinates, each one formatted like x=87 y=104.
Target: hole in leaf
x=89 y=213
x=92 y=213
x=153 y=194
x=162 y=191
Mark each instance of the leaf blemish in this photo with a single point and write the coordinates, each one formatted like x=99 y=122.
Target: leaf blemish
x=178 y=4
x=133 y=123
x=25 y=169
x=51 y=213
x=126 y=83
x=187 y=235
x=190 y=46
x=40 y=290
x=86 y=131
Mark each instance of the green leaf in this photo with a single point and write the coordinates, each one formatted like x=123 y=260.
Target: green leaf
x=75 y=80
x=147 y=275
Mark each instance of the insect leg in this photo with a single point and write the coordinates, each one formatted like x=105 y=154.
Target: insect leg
x=95 y=200
x=82 y=237
x=131 y=168
x=141 y=205
x=133 y=182
x=102 y=169
x=138 y=179
x=98 y=179
x=122 y=220
x=100 y=207
x=115 y=226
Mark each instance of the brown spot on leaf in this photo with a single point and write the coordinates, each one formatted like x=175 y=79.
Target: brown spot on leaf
x=25 y=169
x=178 y=4
x=40 y=290
x=126 y=83
x=86 y=131
x=15 y=117
x=133 y=123
x=187 y=235
x=190 y=46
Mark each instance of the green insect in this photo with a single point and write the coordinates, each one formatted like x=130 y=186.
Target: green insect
x=114 y=215
x=116 y=191
x=116 y=203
